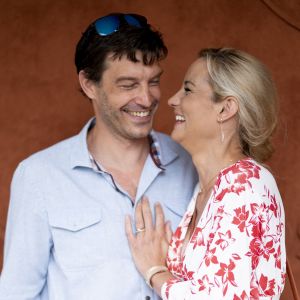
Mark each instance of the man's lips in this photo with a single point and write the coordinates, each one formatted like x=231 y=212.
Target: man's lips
x=139 y=110
x=140 y=114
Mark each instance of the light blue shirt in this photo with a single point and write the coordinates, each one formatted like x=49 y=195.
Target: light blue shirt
x=65 y=236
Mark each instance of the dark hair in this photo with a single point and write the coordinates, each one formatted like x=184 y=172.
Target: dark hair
x=92 y=49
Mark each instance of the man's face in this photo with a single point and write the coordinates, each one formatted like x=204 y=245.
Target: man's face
x=127 y=97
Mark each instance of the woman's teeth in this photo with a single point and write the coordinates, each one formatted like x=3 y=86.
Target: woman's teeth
x=179 y=118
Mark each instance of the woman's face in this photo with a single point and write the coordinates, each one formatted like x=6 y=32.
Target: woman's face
x=195 y=112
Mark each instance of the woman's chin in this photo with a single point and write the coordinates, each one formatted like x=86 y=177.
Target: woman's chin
x=175 y=136
x=178 y=138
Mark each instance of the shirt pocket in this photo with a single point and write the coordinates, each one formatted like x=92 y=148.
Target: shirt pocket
x=78 y=238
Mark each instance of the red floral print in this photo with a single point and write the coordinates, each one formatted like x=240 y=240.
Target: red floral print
x=205 y=284
x=188 y=275
x=256 y=251
x=240 y=217
x=268 y=249
x=277 y=257
x=266 y=287
x=242 y=297
x=225 y=239
x=226 y=272
x=197 y=238
x=210 y=257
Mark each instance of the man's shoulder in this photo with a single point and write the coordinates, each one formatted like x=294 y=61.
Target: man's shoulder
x=56 y=154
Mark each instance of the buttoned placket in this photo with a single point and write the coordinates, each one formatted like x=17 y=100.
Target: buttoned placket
x=149 y=173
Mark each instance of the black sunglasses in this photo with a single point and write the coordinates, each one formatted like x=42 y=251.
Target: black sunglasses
x=111 y=23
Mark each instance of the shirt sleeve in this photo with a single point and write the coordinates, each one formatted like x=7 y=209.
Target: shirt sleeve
x=27 y=240
x=245 y=254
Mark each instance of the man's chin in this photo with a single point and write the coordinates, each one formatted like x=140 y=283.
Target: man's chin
x=139 y=133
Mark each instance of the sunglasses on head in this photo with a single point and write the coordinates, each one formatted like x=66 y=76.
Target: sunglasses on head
x=111 y=23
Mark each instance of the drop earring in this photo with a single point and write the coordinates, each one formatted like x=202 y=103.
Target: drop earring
x=222 y=132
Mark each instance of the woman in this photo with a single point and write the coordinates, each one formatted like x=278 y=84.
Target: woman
x=230 y=242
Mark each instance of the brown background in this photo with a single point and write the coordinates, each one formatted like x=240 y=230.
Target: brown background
x=39 y=99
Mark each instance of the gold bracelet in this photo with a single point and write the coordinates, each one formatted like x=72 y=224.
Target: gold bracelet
x=152 y=271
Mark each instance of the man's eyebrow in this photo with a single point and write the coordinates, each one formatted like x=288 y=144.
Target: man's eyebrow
x=130 y=78
x=189 y=82
x=157 y=75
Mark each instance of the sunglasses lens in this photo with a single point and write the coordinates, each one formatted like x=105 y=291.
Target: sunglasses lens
x=132 y=21
x=107 y=25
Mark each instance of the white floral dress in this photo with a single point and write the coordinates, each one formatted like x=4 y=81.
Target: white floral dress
x=237 y=250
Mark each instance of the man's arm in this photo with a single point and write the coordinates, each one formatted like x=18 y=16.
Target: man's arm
x=27 y=240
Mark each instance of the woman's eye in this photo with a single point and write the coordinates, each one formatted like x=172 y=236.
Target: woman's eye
x=186 y=90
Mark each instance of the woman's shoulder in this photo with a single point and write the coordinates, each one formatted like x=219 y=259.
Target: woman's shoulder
x=245 y=171
x=246 y=176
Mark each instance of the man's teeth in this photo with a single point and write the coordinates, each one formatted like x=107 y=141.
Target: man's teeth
x=139 y=113
x=179 y=118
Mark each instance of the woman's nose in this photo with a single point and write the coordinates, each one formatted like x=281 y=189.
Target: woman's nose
x=174 y=100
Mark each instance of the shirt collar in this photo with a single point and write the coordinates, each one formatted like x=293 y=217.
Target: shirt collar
x=80 y=152
x=160 y=149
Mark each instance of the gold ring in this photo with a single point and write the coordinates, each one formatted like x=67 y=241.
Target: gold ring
x=138 y=230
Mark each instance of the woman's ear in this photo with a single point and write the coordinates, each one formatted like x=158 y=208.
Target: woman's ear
x=87 y=85
x=228 y=108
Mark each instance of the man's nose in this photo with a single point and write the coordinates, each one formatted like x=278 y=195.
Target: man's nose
x=145 y=98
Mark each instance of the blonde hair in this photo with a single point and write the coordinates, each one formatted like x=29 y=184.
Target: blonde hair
x=235 y=73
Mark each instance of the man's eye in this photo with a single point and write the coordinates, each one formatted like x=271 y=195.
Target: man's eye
x=154 y=82
x=128 y=86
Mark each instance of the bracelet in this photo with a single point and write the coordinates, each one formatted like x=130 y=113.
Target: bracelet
x=152 y=271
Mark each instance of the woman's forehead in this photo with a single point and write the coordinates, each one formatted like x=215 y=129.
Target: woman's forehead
x=197 y=72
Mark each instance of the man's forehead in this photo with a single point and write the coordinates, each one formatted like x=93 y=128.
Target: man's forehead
x=123 y=64
x=138 y=56
x=114 y=60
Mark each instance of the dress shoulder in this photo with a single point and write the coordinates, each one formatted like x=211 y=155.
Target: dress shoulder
x=245 y=177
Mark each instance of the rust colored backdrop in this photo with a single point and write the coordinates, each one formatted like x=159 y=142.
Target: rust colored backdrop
x=39 y=99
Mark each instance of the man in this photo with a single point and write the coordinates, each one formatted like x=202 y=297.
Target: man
x=65 y=235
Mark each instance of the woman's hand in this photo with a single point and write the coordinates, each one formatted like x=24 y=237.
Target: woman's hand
x=149 y=245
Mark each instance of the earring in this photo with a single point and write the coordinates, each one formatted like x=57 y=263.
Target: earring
x=222 y=132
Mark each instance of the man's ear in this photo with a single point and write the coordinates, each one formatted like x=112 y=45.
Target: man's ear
x=228 y=108
x=87 y=85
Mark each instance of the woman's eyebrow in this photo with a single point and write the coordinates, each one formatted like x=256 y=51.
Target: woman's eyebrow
x=189 y=82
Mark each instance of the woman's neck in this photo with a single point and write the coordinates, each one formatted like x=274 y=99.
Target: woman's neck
x=210 y=163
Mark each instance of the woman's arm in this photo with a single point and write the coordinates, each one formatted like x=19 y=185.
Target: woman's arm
x=149 y=245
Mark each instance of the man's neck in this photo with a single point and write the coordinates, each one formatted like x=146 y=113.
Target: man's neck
x=124 y=159
x=115 y=152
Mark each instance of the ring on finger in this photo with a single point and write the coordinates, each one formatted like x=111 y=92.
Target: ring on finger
x=138 y=230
